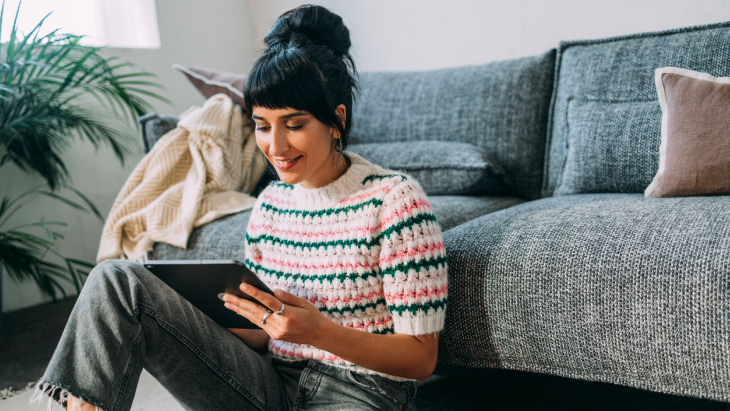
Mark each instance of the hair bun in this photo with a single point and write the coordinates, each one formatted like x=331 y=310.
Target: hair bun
x=310 y=23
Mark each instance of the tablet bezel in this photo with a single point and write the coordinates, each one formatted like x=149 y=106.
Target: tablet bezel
x=201 y=281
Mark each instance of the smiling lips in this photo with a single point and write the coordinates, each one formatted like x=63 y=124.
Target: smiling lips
x=285 y=165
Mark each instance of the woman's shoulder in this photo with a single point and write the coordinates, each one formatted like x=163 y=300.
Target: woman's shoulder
x=392 y=182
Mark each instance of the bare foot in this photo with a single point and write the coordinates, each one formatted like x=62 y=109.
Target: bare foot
x=75 y=404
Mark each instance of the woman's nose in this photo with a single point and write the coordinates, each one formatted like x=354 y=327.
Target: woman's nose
x=279 y=145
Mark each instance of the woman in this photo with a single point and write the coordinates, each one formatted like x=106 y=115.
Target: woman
x=352 y=250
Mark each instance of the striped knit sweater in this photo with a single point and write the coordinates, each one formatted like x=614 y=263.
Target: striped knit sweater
x=365 y=249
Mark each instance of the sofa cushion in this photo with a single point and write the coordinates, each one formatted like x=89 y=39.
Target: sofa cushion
x=501 y=107
x=604 y=155
x=695 y=150
x=618 y=288
x=451 y=211
x=210 y=82
x=440 y=167
x=605 y=119
x=154 y=126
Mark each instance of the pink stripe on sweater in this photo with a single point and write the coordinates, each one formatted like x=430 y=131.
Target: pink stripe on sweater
x=413 y=205
x=371 y=323
x=297 y=266
x=278 y=200
x=361 y=196
x=417 y=294
x=327 y=234
x=421 y=250
x=284 y=352
x=347 y=300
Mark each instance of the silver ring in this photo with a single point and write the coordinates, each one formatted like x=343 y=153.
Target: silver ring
x=281 y=311
x=268 y=313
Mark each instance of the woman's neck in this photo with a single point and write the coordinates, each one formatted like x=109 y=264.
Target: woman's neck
x=341 y=164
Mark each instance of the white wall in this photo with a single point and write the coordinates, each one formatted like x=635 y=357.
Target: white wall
x=386 y=35
x=216 y=34
x=428 y=34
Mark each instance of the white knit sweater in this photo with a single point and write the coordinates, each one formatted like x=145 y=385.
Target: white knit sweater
x=365 y=249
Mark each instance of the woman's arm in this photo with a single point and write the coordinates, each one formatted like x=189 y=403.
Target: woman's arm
x=395 y=354
x=302 y=323
x=256 y=340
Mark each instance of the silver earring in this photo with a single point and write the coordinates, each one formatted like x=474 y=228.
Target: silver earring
x=339 y=143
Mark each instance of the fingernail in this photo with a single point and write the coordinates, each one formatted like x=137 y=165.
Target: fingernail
x=244 y=286
x=279 y=293
x=227 y=305
x=223 y=296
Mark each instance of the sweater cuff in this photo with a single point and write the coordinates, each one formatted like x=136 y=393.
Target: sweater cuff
x=420 y=323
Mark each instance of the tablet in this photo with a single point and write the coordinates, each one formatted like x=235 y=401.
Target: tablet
x=201 y=281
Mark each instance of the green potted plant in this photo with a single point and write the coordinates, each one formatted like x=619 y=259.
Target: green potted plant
x=53 y=90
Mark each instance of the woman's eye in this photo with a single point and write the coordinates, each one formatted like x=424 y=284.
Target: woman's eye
x=294 y=127
x=261 y=128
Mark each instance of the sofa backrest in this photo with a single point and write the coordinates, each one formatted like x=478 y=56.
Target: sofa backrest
x=605 y=120
x=501 y=107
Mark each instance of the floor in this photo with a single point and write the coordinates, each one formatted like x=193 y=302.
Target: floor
x=31 y=335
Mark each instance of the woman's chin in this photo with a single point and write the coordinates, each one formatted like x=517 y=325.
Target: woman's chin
x=288 y=178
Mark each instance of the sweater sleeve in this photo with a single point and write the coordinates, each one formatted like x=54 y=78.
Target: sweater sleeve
x=413 y=261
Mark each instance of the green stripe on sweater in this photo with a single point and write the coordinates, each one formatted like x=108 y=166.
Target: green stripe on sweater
x=416 y=307
x=423 y=264
x=356 y=307
x=319 y=213
x=373 y=177
x=415 y=265
x=397 y=228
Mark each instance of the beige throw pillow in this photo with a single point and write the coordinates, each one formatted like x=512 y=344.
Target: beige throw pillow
x=694 y=156
x=211 y=82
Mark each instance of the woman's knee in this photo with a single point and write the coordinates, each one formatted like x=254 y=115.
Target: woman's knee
x=113 y=273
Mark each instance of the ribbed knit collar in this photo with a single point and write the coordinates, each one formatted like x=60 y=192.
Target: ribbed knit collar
x=338 y=189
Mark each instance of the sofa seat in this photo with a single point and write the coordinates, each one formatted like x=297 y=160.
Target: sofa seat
x=616 y=288
x=223 y=238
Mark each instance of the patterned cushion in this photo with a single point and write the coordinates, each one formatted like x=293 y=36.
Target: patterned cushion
x=440 y=167
x=604 y=131
x=501 y=107
x=618 y=288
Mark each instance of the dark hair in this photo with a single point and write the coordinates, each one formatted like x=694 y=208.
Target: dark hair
x=306 y=66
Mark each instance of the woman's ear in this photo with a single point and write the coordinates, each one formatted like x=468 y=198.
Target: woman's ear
x=342 y=114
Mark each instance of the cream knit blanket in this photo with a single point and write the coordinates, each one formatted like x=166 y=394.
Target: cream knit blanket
x=194 y=174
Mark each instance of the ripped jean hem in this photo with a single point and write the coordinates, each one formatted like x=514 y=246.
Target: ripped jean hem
x=59 y=394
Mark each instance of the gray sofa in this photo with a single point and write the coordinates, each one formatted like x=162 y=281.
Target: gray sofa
x=574 y=273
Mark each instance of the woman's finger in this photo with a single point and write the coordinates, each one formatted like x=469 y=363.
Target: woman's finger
x=263 y=297
x=291 y=299
x=247 y=309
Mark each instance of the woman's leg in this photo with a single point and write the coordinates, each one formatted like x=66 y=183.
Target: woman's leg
x=126 y=319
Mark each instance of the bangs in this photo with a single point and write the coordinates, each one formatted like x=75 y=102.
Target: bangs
x=287 y=78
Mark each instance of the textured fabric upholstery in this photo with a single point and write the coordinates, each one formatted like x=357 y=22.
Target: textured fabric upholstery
x=440 y=167
x=603 y=80
x=606 y=287
x=501 y=107
x=604 y=153
x=219 y=239
x=154 y=126
x=451 y=211
x=223 y=238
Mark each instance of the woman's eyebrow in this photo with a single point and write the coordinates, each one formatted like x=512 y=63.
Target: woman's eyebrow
x=294 y=114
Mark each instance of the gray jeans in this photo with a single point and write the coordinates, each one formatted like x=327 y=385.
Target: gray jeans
x=126 y=319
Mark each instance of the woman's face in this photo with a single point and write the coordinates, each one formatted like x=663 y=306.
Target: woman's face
x=298 y=145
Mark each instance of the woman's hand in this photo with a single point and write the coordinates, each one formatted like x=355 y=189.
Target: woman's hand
x=301 y=322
